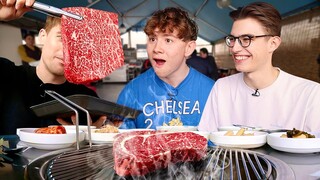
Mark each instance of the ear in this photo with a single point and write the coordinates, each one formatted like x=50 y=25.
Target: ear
x=190 y=47
x=42 y=36
x=275 y=42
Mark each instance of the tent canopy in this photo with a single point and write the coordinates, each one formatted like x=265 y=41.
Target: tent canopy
x=212 y=16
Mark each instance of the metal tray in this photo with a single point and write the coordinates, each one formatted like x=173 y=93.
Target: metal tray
x=94 y=105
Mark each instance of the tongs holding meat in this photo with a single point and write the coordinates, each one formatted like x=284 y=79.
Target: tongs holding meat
x=53 y=11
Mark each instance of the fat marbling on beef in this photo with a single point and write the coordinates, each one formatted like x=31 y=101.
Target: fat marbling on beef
x=92 y=47
x=138 y=153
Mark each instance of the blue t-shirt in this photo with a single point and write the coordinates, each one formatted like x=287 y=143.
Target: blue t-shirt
x=160 y=102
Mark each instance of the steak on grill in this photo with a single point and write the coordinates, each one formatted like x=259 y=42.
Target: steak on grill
x=138 y=153
x=92 y=47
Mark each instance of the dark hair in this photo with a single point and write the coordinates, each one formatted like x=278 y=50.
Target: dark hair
x=265 y=13
x=204 y=50
x=28 y=34
x=171 y=19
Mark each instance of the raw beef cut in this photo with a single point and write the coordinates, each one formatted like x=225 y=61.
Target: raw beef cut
x=138 y=153
x=92 y=47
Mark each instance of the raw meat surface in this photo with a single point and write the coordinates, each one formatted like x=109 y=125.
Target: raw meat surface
x=138 y=153
x=92 y=47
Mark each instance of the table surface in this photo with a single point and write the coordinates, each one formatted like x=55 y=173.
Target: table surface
x=304 y=166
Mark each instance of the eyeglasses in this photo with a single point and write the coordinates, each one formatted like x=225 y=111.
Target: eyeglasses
x=244 y=40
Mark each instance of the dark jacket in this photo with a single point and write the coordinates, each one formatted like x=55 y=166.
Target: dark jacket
x=199 y=64
x=20 y=89
x=214 y=74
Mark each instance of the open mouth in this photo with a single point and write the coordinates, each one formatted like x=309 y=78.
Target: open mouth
x=159 y=61
x=240 y=58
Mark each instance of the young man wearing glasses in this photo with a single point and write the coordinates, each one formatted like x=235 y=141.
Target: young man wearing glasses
x=261 y=95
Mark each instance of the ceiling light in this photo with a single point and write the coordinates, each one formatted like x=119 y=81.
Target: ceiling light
x=225 y=4
x=122 y=28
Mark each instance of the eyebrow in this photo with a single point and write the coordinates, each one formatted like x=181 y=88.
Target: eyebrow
x=170 y=35
x=241 y=35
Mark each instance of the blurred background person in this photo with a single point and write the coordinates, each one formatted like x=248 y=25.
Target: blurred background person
x=145 y=66
x=212 y=62
x=29 y=52
x=199 y=64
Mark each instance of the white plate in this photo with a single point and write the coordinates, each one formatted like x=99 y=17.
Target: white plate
x=257 y=140
x=48 y=141
x=177 y=128
x=294 y=145
x=235 y=128
x=101 y=138
x=81 y=127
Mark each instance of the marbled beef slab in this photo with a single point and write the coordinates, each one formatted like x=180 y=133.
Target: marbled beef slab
x=138 y=153
x=92 y=47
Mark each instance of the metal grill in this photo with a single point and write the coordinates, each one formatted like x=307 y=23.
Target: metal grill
x=237 y=164
x=220 y=163
x=85 y=163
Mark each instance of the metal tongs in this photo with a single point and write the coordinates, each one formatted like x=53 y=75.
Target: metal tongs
x=252 y=128
x=75 y=107
x=53 y=11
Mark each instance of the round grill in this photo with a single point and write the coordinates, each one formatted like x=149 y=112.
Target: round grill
x=220 y=163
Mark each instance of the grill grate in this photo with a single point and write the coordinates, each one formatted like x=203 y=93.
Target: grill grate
x=97 y=163
x=81 y=164
x=236 y=164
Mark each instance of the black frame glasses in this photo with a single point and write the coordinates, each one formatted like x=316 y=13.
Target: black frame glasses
x=244 y=40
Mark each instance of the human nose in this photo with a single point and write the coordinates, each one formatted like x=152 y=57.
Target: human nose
x=236 y=46
x=158 y=47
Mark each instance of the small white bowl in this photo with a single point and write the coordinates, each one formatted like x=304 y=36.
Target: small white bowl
x=177 y=128
x=294 y=145
x=101 y=138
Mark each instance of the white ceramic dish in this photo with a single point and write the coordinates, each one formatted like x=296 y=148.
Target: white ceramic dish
x=48 y=141
x=228 y=128
x=257 y=140
x=81 y=127
x=101 y=138
x=73 y=127
x=294 y=145
x=235 y=128
x=177 y=128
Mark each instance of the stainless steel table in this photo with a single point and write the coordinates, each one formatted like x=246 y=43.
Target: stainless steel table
x=305 y=166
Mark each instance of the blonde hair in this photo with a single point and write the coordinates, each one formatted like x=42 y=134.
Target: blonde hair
x=51 y=22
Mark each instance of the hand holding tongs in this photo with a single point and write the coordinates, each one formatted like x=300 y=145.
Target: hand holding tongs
x=53 y=11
